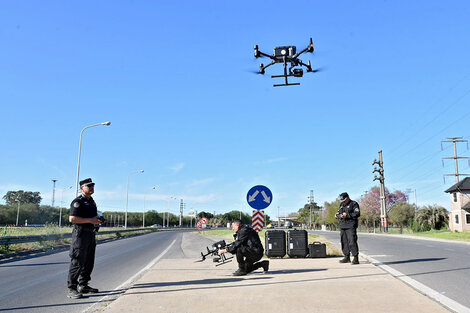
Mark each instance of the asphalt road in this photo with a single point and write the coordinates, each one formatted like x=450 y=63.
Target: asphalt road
x=441 y=266
x=39 y=284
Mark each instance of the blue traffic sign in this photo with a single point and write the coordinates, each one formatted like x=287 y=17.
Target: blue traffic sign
x=259 y=197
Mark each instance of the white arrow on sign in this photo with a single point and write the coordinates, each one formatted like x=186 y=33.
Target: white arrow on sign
x=266 y=198
x=253 y=196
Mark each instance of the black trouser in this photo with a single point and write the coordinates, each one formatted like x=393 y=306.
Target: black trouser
x=246 y=257
x=82 y=254
x=349 y=241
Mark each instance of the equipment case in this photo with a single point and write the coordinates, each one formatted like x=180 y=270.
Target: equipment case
x=275 y=243
x=297 y=243
x=317 y=250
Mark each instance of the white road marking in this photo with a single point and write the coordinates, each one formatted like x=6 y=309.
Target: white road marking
x=431 y=293
x=128 y=282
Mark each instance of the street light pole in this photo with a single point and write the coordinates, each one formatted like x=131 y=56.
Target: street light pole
x=53 y=191
x=143 y=216
x=168 y=212
x=127 y=194
x=18 y=212
x=80 y=149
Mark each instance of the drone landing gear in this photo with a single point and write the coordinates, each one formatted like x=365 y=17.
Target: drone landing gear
x=295 y=73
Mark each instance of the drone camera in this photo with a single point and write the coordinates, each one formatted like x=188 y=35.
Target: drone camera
x=284 y=51
x=298 y=72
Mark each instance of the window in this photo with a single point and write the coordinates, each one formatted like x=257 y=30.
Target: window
x=456 y=219
x=455 y=196
x=468 y=218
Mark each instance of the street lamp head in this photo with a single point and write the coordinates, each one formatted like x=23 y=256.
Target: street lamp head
x=106 y=123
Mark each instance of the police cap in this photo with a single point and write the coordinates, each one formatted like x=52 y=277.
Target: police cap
x=343 y=196
x=87 y=182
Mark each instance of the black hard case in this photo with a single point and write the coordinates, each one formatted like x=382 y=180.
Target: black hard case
x=297 y=243
x=317 y=250
x=275 y=243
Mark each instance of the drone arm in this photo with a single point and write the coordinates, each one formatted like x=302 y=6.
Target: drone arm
x=308 y=66
x=265 y=67
x=266 y=55
x=309 y=49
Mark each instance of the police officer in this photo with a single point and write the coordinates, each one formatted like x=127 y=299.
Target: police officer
x=247 y=248
x=84 y=216
x=348 y=215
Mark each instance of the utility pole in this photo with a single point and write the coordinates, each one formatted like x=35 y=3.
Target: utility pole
x=383 y=207
x=454 y=140
x=53 y=191
x=310 y=204
x=181 y=211
x=416 y=205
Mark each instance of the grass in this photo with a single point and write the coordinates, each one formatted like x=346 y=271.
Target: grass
x=440 y=234
x=48 y=245
x=227 y=234
x=445 y=234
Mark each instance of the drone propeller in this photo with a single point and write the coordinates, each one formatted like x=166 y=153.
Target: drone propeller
x=254 y=72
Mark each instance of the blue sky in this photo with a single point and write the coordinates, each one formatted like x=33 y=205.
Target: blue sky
x=174 y=80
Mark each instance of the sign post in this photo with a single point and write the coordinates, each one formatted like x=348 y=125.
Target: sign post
x=259 y=198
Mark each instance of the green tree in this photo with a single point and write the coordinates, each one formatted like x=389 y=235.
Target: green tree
x=152 y=217
x=330 y=210
x=432 y=217
x=401 y=213
x=205 y=214
x=309 y=209
x=23 y=196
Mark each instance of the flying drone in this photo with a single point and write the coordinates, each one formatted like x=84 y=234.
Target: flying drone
x=286 y=54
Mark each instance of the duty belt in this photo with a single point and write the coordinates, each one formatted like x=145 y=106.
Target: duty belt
x=83 y=228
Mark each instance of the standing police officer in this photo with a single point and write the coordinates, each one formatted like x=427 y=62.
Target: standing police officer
x=348 y=215
x=84 y=216
x=247 y=248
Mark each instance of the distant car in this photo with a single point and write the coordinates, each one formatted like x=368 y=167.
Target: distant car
x=270 y=226
x=156 y=226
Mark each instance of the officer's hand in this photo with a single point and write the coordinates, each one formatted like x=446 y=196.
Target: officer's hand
x=344 y=215
x=95 y=220
x=222 y=251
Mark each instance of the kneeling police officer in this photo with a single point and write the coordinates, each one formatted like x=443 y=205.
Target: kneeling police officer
x=247 y=248
x=84 y=216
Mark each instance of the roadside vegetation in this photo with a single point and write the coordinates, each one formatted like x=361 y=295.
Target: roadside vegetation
x=50 y=245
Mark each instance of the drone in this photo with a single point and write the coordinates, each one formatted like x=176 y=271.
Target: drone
x=286 y=54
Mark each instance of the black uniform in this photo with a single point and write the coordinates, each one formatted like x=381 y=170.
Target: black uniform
x=348 y=226
x=82 y=249
x=248 y=249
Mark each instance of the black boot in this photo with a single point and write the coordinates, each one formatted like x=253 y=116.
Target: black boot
x=86 y=289
x=239 y=272
x=355 y=260
x=265 y=265
x=74 y=294
x=346 y=259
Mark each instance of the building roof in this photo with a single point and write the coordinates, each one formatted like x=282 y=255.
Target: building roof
x=463 y=185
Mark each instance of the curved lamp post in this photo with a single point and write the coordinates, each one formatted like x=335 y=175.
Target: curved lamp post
x=168 y=212
x=80 y=148
x=127 y=194
x=143 y=216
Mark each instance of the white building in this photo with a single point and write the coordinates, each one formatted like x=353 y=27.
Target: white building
x=459 y=216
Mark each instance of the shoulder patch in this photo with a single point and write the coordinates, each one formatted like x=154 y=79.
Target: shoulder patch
x=76 y=204
x=356 y=210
